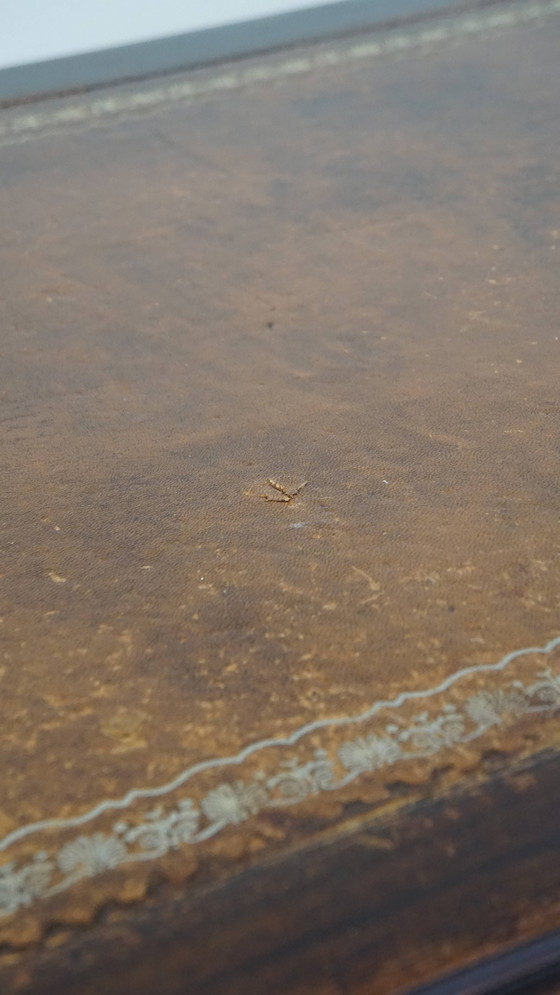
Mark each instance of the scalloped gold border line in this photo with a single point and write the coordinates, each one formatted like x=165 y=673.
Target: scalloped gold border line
x=135 y=794
x=88 y=112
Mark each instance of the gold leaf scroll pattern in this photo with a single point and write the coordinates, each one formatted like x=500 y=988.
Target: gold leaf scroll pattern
x=296 y=777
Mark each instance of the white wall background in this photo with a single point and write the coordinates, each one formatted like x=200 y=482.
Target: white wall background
x=32 y=30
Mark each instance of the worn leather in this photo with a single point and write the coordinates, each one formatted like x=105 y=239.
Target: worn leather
x=346 y=276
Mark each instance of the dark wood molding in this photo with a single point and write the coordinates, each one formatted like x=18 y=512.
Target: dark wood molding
x=532 y=969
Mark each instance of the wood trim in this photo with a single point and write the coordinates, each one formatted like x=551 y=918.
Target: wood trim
x=532 y=969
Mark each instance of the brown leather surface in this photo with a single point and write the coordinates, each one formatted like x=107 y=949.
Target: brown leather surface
x=346 y=276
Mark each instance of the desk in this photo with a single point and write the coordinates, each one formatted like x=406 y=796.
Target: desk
x=260 y=742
